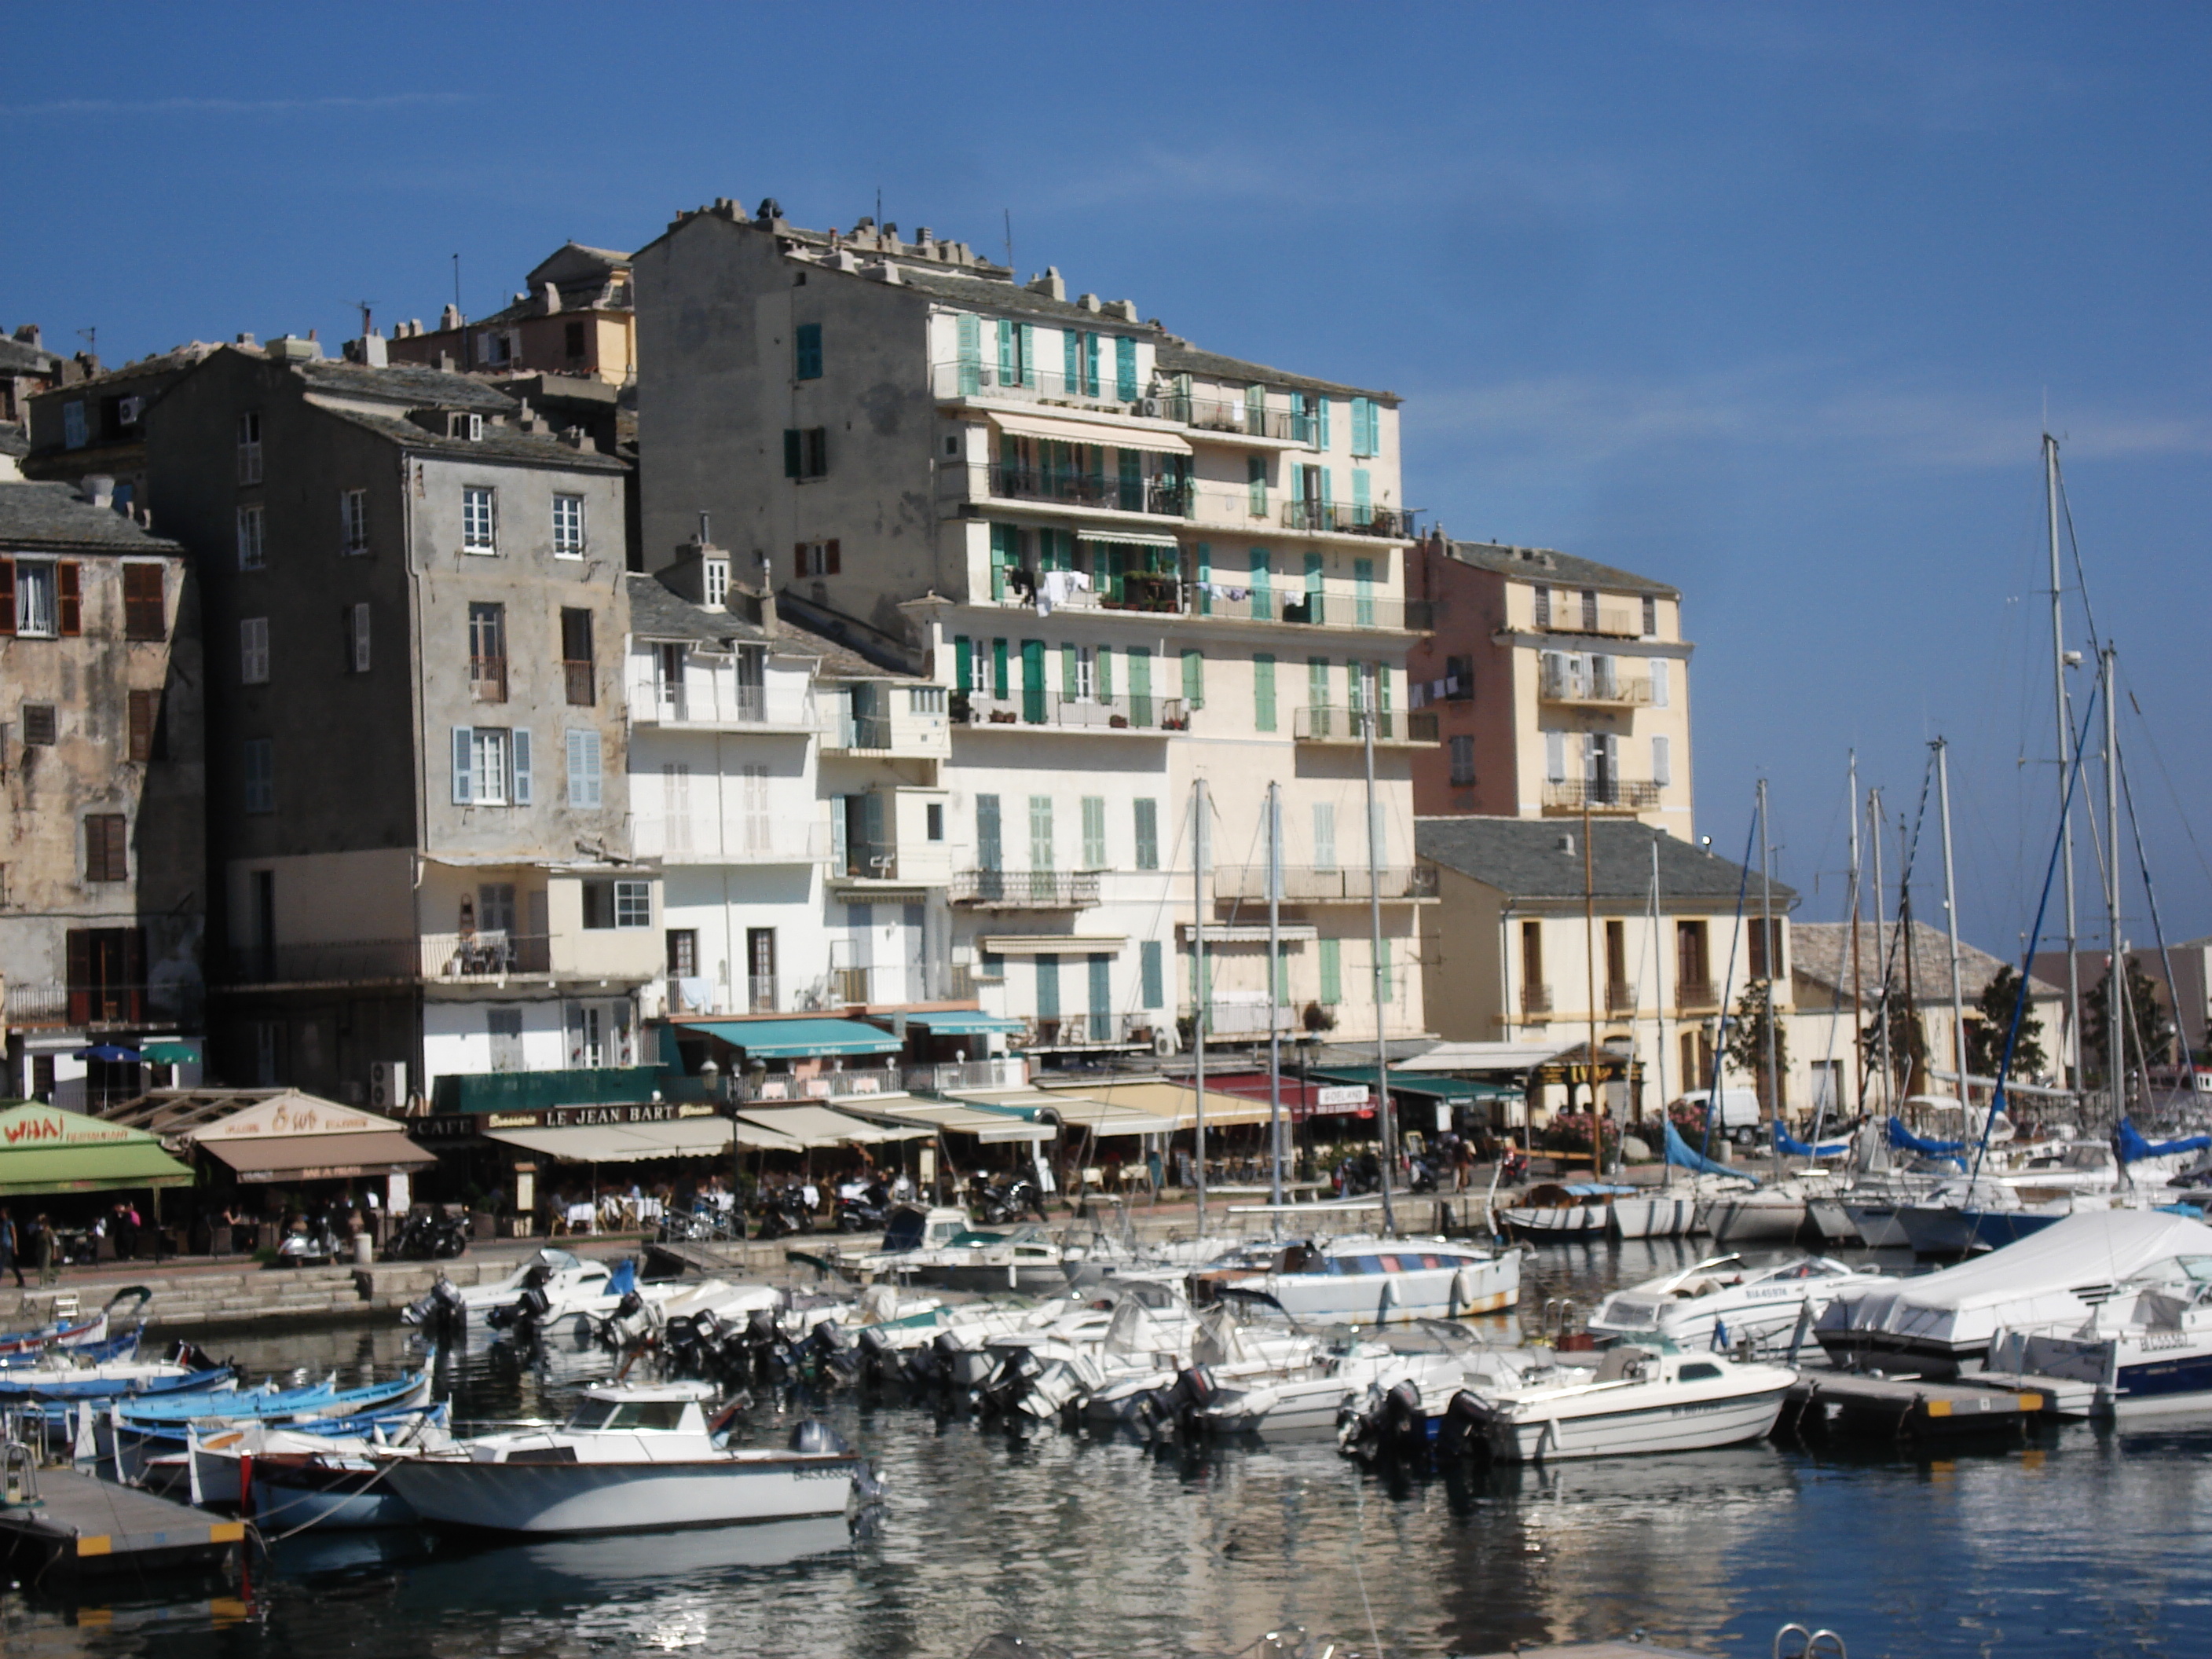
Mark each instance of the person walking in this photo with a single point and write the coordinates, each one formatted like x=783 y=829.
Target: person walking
x=50 y=1270
x=9 y=1243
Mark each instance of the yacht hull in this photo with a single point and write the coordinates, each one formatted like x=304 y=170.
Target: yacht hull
x=1877 y=1224
x=1467 y=1287
x=1938 y=1229
x=1569 y=1223
x=1690 y=1425
x=1657 y=1217
x=626 y=1496
x=1740 y=1221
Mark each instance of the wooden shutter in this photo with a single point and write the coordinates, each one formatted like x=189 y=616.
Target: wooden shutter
x=1324 y=404
x=799 y=559
x=829 y=561
x=464 y=750
x=1029 y=356
x=145 y=715
x=79 y=950
x=791 y=451
x=143 y=610
x=70 y=611
x=1091 y=365
x=132 y=1001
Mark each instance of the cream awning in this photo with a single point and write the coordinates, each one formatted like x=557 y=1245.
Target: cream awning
x=1069 y=429
x=818 y=1126
x=635 y=1143
x=1175 y=1105
x=990 y=1127
x=1053 y=944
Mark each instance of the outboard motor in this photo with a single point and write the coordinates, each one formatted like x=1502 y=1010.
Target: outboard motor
x=530 y=1310
x=814 y=1436
x=441 y=1314
x=877 y=1359
x=829 y=1357
x=1404 y=1426
x=1462 y=1432
x=1193 y=1387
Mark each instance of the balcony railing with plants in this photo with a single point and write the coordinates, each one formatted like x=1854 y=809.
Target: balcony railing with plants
x=1039 y=385
x=1024 y=889
x=1347 y=519
x=1323 y=884
x=1160 y=496
x=1591 y=686
x=1324 y=723
x=1600 y=795
x=1052 y=709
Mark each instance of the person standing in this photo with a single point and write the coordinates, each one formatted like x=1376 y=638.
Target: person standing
x=8 y=1242
x=49 y=1268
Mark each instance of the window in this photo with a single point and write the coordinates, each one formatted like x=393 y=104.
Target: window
x=924 y=699
x=74 y=435
x=1194 y=679
x=1543 y=608
x=253 y=651
x=1324 y=835
x=1041 y=837
x=107 y=973
x=1462 y=761
x=714 y=582
x=38 y=725
x=1459 y=679
x=1094 y=832
x=806 y=354
x=1555 y=757
x=1663 y=764
x=144 y=615
x=38 y=598
x=990 y=851
x=1263 y=693
x=146 y=726
x=356 y=637
x=1332 y=972
x=815 y=558
x=572 y=341
x=569 y=529
x=488 y=653
x=617 y=904
x=1366 y=426
x=479 y=518
x=1124 y=369
x=932 y=819
x=1148 y=835
x=1151 y=974
x=683 y=952
x=1660 y=691
x=353 y=522
x=805 y=451
x=259 y=756
x=105 y=858
x=491 y=766
x=584 y=786
x=1651 y=616
x=1692 y=961
x=249 y=447
x=1765 y=940
x=577 y=658
x=1048 y=987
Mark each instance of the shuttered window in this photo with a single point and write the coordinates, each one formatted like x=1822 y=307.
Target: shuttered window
x=1072 y=366
x=145 y=724
x=106 y=852
x=1124 y=369
x=1263 y=693
x=1332 y=972
x=990 y=850
x=1194 y=679
x=585 y=783
x=1150 y=972
x=144 y=616
x=253 y=651
x=806 y=354
x=1148 y=834
x=1094 y=832
x=260 y=757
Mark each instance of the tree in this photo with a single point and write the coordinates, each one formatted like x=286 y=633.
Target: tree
x=2150 y=1035
x=1747 y=1039
x=1989 y=1026
x=1908 y=1042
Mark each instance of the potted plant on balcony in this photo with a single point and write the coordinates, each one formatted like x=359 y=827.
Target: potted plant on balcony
x=1117 y=721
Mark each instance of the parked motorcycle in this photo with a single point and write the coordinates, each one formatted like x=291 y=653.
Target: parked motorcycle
x=1004 y=1199
x=863 y=1206
x=428 y=1236
x=783 y=1214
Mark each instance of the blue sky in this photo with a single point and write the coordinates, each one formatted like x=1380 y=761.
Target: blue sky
x=1764 y=301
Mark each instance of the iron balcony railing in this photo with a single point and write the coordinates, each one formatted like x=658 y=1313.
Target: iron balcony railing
x=1228 y=415
x=1232 y=1020
x=581 y=682
x=1226 y=596
x=1324 y=884
x=1347 y=519
x=1620 y=998
x=488 y=679
x=1324 y=723
x=825 y=1085
x=1102 y=714
x=861 y=733
x=1697 y=994
x=1093 y=1030
x=760 y=996
x=1600 y=795
x=1024 y=889
x=712 y=700
x=487 y=954
x=1166 y=497
x=1034 y=384
x=1556 y=685
x=1558 y=613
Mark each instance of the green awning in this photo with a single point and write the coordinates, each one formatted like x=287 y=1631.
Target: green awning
x=43 y=1149
x=798 y=1039
x=167 y=1051
x=1449 y=1090
x=965 y=1022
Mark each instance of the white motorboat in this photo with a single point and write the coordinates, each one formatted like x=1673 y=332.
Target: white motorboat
x=1640 y=1399
x=1769 y=1215
x=633 y=1458
x=1944 y=1321
x=1398 y=1413
x=1724 y=1302
x=1224 y=1353
x=1363 y=1281
x=2146 y=1350
x=552 y=1286
x=297 y=1477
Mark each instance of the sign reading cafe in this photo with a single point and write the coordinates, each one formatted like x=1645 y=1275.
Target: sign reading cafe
x=453 y=1125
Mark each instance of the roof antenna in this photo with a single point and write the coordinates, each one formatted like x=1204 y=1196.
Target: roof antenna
x=91 y=339
x=457 y=285
x=364 y=304
x=1009 y=212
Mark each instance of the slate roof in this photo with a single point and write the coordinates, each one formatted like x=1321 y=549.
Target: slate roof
x=1545 y=565
x=54 y=517
x=498 y=443
x=411 y=385
x=1820 y=951
x=1178 y=356
x=22 y=357
x=656 y=613
x=1522 y=859
x=14 y=439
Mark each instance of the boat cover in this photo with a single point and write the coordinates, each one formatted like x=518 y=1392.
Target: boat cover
x=1683 y=1155
x=1791 y=1147
x=1900 y=1136
x=2134 y=1147
x=2054 y=1276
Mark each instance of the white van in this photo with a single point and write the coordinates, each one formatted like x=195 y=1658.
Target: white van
x=1739 y=1113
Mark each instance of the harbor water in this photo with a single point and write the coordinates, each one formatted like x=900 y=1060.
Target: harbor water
x=2088 y=1541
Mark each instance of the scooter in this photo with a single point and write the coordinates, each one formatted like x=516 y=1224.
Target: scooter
x=863 y=1206
x=784 y=1213
x=429 y=1235
x=1006 y=1198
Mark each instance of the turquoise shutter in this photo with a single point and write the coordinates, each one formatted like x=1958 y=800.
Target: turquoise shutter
x=1033 y=681
x=1194 y=679
x=1091 y=365
x=964 y=657
x=1140 y=685
x=971 y=355
x=1314 y=606
x=1102 y=998
x=1124 y=369
x=999 y=669
x=1263 y=693
x=990 y=851
x=1263 y=597
x=520 y=748
x=1103 y=690
x=807 y=351
x=1324 y=402
x=1149 y=969
x=1072 y=382
x=1205 y=579
x=1029 y=356
x=1067 y=673
x=1008 y=375
x=1003 y=557
x=1362 y=512
x=1047 y=988
x=1363 y=591
x=1301 y=428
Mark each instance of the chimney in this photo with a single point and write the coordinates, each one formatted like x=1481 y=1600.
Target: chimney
x=445 y=362
x=29 y=335
x=1050 y=284
x=449 y=317
x=367 y=351
x=1088 y=302
x=552 y=299
x=98 y=489
x=1125 y=309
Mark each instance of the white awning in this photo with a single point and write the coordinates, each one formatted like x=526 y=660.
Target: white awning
x=991 y=1127
x=1127 y=538
x=1102 y=1119
x=632 y=1143
x=1482 y=1057
x=1250 y=933
x=818 y=1126
x=1069 y=429
x=1052 y=945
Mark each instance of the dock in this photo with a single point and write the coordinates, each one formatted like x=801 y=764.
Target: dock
x=1846 y=1403
x=78 y=1525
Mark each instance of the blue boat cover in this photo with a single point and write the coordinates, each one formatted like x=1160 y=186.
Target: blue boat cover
x=1902 y=1137
x=2134 y=1146
x=1596 y=1188
x=1683 y=1155
x=623 y=1280
x=1788 y=1143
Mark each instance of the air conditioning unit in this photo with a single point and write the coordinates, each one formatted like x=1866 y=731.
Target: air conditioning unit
x=128 y=410
x=1150 y=406
x=387 y=1085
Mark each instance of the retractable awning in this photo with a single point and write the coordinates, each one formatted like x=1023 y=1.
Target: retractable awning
x=797 y=1039
x=320 y=1158
x=1101 y=1119
x=1052 y=945
x=1129 y=538
x=45 y=1149
x=1067 y=429
x=964 y=1022
x=636 y=1143
x=1173 y=1106
x=991 y=1127
x=1450 y=1090
x=818 y=1126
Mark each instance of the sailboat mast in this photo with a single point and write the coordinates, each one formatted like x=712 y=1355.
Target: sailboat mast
x=1951 y=922
x=1881 y=955
x=1199 y=999
x=1384 y=1122
x=2116 y=977
x=1858 y=1011
x=1276 y=987
x=2065 y=746
x=1659 y=1011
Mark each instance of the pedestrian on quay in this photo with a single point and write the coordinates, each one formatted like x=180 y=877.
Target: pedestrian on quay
x=8 y=1242
x=50 y=1270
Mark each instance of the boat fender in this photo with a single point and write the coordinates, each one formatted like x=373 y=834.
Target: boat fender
x=815 y=1437
x=1464 y=1288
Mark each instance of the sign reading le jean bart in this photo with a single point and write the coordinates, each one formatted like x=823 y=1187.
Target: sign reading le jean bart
x=558 y=1117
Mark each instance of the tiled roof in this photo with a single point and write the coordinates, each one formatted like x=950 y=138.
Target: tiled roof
x=498 y=443
x=1524 y=858
x=1820 y=951
x=410 y=385
x=1542 y=565
x=1180 y=357
x=54 y=517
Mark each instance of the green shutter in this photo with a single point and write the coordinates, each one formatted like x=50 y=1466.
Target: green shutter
x=1363 y=590
x=1006 y=553
x=990 y=848
x=1263 y=693
x=1104 y=687
x=1047 y=988
x=807 y=352
x=1033 y=682
x=1324 y=422
x=1149 y=969
x=1148 y=834
x=1362 y=511
x=1029 y=356
x=1194 y=679
x=964 y=657
x=1094 y=832
x=1071 y=381
x=1140 y=685
x=1205 y=579
x=999 y=669
x=970 y=379
x=1091 y=365
x=1124 y=369
x=1041 y=836
x=1263 y=597
x=1332 y=972
x=1067 y=673
x=1382 y=970
x=1101 y=997
x=1317 y=695
x=1008 y=374
x=1131 y=480
x=791 y=452
x=1316 y=610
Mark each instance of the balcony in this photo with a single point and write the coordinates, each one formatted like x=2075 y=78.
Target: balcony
x=1129 y=716
x=488 y=679
x=1320 y=884
x=1609 y=690
x=1298 y=608
x=1229 y=1020
x=1025 y=890
x=762 y=994
x=1696 y=993
x=1063 y=1031
x=1002 y=1072
x=754 y=838
x=1342 y=519
x=1600 y=795
x=1620 y=998
x=1225 y=414
x=860 y=734
x=1569 y=616
x=486 y=955
x=1162 y=496
x=825 y=1085
x=1036 y=386
x=719 y=706
x=581 y=683
x=1323 y=723
x=1536 y=1001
